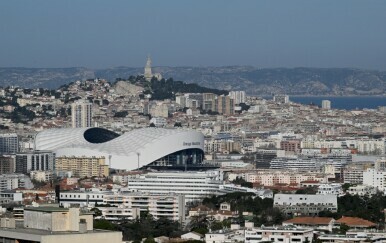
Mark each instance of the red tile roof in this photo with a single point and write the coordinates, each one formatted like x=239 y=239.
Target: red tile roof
x=310 y=220
x=355 y=222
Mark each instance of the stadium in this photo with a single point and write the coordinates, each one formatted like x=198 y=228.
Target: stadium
x=141 y=148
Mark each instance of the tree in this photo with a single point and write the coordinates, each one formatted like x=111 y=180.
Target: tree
x=97 y=212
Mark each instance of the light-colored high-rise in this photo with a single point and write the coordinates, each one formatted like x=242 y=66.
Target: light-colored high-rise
x=238 y=96
x=224 y=105
x=326 y=104
x=81 y=114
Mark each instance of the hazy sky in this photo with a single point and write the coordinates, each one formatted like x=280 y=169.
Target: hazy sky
x=269 y=33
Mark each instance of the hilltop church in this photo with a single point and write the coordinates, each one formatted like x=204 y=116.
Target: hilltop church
x=148 y=74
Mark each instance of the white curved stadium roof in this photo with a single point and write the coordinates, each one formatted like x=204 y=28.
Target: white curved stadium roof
x=150 y=143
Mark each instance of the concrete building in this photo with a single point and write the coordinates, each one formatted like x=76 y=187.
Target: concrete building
x=283 y=99
x=284 y=177
x=40 y=175
x=238 y=96
x=57 y=225
x=7 y=164
x=34 y=160
x=82 y=198
x=9 y=143
x=193 y=185
x=286 y=234
x=305 y=204
x=14 y=181
x=224 y=105
x=81 y=114
x=83 y=166
x=330 y=189
x=7 y=197
x=208 y=101
x=375 y=178
x=129 y=205
x=326 y=104
x=362 y=190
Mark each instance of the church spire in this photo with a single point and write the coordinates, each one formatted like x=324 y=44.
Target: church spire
x=148 y=73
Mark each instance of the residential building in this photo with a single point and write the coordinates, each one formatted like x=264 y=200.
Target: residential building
x=89 y=198
x=34 y=160
x=129 y=205
x=286 y=234
x=283 y=99
x=326 y=104
x=375 y=178
x=82 y=166
x=41 y=175
x=7 y=197
x=208 y=101
x=81 y=114
x=224 y=105
x=238 y=96
x=332 y=188
x=362 y=190
x=9 y=143
x=14 y=181
x=7 y=164
x=305 y=204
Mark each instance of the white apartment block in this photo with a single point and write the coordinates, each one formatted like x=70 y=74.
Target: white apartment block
x=81 y=198
x=353 y=175
x=330 y=189
x=81 y=114
x=238 y=96
x=375 y=178
x=284 y=234
x=13 y=181
x=364 y=145
x=305 y=204
x=362 y=190
x=39 y=175
x=130 y=205
x=194 y=185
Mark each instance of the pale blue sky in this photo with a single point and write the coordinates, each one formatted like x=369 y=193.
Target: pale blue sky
x=270 y=33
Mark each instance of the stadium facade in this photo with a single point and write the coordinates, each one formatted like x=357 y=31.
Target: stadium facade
x=146 y=147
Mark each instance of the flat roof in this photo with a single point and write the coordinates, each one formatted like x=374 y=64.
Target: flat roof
x=46 y=209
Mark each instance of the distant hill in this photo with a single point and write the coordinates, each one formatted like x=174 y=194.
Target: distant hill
x=266 y=81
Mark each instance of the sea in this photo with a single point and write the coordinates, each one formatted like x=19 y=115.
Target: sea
x=343 y=102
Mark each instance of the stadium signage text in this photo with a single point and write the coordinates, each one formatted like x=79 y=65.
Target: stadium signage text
x=191 y=144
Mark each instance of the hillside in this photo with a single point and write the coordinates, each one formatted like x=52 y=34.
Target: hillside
x=294 y=81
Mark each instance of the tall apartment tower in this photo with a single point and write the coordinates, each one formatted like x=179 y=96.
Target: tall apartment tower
x=224 y=105
x=208 y=101
x=326 y=104
x=81 y=113
x=238 y=96
x=9 y=143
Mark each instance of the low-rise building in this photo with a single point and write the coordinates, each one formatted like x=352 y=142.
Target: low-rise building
x=286 y=234
x=318 y=223
x=333 y=188
x=41 y=175
x=361 y=190
x=305 y=204
x=56 y=225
